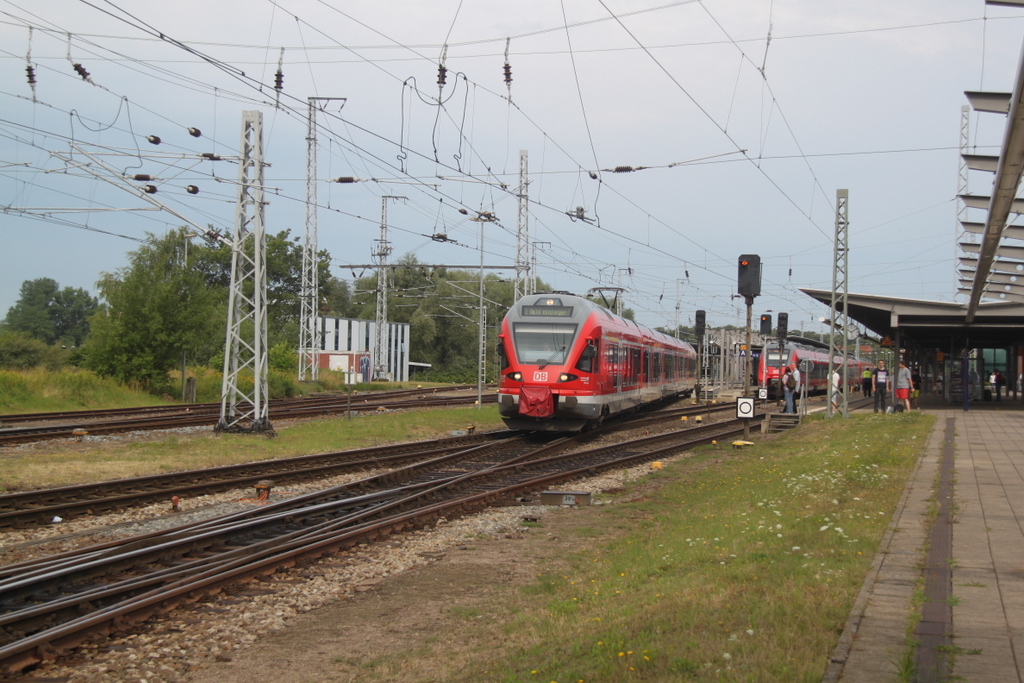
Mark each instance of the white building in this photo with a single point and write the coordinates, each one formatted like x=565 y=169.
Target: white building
x=346 y=344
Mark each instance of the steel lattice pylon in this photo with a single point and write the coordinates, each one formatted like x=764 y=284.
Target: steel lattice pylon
x=961 y=190
x=309 y=331
x=840 y=318
x=523 y=279
x=245 y=347
x=380 y=257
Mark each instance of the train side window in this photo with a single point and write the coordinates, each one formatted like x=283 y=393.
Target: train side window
x=502 y=355
x=588 y=357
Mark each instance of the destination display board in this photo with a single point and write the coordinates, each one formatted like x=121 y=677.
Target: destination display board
x=547 y=311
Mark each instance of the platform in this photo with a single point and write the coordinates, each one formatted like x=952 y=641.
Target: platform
x=983 y=621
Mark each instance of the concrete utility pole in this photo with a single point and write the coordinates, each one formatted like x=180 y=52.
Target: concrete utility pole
x=247 y=312
x=380 y=256
x=839 y=321
x=533 y=264
x=522 y=284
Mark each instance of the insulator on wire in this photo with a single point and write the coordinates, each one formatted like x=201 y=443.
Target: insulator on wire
x=593 y=176
x=153 y=139
x=149 y=189
x=31 y=72
x=80 y=70
x=442 y=75
x=463 y=212
x=279 y=76
x=195 y=132
x=508 y=68
x=192 y=189
x=345 y=179
x=142 y=176
x=687 y=274
x=623 y=169
x=210 y=156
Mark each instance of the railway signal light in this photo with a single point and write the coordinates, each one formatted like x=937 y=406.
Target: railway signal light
x=766 y=324
x=698 y=324
x=749 y=280
x=783 y=326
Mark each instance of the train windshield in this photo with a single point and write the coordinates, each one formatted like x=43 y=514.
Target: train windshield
x=543 y=343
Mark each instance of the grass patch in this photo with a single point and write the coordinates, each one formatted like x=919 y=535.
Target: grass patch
x=40 y=390
x=67 y=464
x=738 y=567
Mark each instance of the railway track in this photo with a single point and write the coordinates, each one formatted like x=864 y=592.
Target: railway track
x=186 y=408
x=208 y=416
x=41 y=506
x=53 y=604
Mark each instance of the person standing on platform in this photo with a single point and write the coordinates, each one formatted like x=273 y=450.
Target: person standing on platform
x=1000 y=381
x=865 y=382
x=904 y=384
x=788 y=385
x=795 y=369
x=879 y=384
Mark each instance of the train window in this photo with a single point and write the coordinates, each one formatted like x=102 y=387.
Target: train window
x=502 y=355
x=656 y=367
x=588 y=358
x=543 y=343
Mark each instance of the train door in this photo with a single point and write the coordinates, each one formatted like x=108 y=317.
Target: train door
x=610 y=365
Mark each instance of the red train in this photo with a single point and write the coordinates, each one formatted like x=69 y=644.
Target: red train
x=804 y=354
x=568 y=363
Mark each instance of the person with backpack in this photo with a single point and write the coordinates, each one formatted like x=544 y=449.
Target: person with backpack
x=879 y=384
x=790 y=384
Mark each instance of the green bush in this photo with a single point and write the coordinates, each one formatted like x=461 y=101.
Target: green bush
x=19 y=351
x=283 y=357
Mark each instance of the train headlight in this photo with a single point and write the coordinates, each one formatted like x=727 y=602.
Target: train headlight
x=567 y=377
x=515 y=376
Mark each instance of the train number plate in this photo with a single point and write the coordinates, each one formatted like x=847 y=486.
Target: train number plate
x=540 y=377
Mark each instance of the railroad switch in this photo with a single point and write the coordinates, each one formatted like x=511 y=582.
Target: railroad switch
x=741 y=444
x=263 y=487
x=470 y=429
x=175 y=504
x=78 y=434
x=698 y=419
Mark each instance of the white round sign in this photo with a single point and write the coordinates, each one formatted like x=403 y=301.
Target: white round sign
x=744 y=407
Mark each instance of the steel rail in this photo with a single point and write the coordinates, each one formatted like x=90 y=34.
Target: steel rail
x=329 y=536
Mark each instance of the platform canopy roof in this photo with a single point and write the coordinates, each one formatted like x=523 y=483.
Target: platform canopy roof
x=940 y=325
x=986 y=244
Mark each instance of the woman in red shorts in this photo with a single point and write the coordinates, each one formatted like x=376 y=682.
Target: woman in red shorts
x=904 y=384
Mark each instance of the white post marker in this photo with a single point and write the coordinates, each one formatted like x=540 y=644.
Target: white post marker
x=745 y=407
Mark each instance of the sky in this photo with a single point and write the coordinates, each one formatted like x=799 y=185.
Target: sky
x=740 y=119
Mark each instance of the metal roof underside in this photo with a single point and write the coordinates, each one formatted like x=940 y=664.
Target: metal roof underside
x=935 y=324
x=1003 y=201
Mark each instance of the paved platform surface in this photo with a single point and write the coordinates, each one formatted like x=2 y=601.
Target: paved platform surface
x=987 y=556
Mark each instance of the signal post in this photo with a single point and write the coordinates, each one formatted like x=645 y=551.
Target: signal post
x=748 y=286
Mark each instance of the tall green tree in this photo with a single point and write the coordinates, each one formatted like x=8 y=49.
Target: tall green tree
x=50 y=314
x=159 y=306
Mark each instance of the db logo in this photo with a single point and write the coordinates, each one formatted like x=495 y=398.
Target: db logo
x=540 y=377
